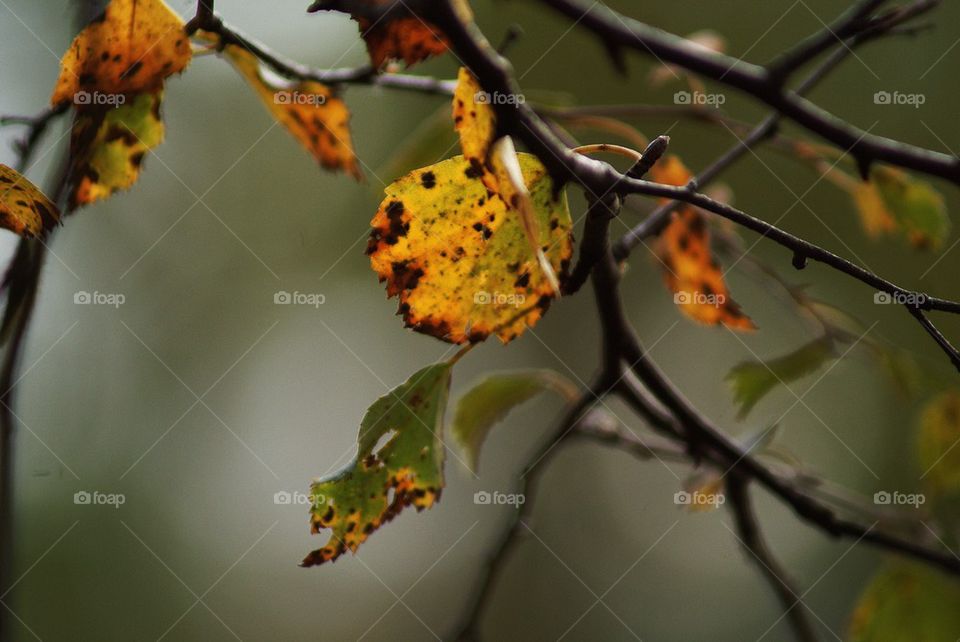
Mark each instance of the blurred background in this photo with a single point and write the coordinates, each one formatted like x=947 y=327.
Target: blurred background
x=198 y=399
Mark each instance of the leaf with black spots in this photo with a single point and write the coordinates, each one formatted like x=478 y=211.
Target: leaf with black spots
x=108 y=145
x=459 y=260
x=689 y=268
x=131 y=48
x=24 y=209
x=310 y=111
x=382 y=480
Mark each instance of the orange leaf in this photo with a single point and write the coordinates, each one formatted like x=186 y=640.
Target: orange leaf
x=23 y=207
x=690 y=270
x=130 y=48
x=406 y=38
x=310 y=111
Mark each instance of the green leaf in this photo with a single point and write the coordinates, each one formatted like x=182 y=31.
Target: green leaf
x=907 y=603
x=752 y=380
x=492 y=399
x=381 y=481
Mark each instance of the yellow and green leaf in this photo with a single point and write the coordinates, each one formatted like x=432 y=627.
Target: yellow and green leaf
x=310 y=111
x=382 y=480
x=907 y=602
x=24 y=209
x=108 y=146
x=894 y=200
x=939 y=445
x=458 y=260
x=131 y=48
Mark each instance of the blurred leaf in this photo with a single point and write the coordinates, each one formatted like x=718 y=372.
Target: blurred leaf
x=310 y=111
x=384 y=479
x=108 y=145
x=460 y=265
x=752 y=380
x=907 y=603
x=689 y=268
x=24 y=209
x=939 y=445
x=706 y=39
x=894 y=200
x=492 y=399
x=703 y=492
x=130 y=49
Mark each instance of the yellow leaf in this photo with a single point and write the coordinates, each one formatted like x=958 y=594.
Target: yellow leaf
x=108 y=145
x=460 y=265
x=131 y=48
x=310 y=111
x=475 y=121
x=23 y=207
x=689 y=269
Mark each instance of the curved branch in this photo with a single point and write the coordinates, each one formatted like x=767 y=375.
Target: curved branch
x=623 y=32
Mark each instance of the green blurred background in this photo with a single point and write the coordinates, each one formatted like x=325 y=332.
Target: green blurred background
x=109 y=403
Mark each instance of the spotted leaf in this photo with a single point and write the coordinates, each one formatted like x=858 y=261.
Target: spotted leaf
x=460 y=265
x=310 y=111
x=382 y=480
x=476 y=123
x=689 y=268
x=400 y=34
x=130 y=48
x=108 y=146
x=24 y=209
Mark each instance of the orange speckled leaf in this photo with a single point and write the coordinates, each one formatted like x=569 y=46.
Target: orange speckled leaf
x=459 y=262
x=130 y=48
x=690 y=270
x=23 y=207
x=406 y=38
x=310 y=111
x=380 y=482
